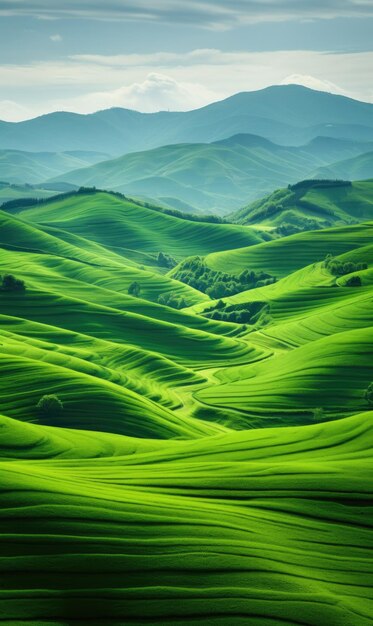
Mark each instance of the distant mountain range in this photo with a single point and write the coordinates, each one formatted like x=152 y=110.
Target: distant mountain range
x=218 y=177
x=286 y=114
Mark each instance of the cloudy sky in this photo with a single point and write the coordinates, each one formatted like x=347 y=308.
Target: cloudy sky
x=150 y=55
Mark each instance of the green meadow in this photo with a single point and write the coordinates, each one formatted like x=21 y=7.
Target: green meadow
x=194 y=466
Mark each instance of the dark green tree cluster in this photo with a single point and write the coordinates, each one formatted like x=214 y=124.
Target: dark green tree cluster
x=12 y=284
x=166 y=260
x=353 y=281
x=194 y=272
x=240 y=313
x=134 y=289
x=173 y=300
x=341 y=268
x=319 y=182
x=299 y=225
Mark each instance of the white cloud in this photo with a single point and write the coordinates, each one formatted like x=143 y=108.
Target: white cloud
x=12 y=111
x=157 y=92
x=177 y=81
x=55 y=37
x=313 y=83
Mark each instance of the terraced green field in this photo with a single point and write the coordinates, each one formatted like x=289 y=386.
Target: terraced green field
x=200 y=471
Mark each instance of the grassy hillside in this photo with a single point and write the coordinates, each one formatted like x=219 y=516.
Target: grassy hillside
x=323 y=202
x=245 y=528
x=196 y=470
x=280 y=257
x=215 y=177
x=130 y=228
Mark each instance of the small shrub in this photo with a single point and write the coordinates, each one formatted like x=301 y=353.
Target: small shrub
x=49 y=406
x=369 y=394
x=353 y=281
x=318 y=414
x=134 y=289
x=12 y=284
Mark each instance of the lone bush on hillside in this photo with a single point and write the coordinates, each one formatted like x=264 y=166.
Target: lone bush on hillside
x=12 y=284
x=134 y=289
x=353 y=281
x=166 y=260
x=49 y=406
x=318 y=414
x=369 y=394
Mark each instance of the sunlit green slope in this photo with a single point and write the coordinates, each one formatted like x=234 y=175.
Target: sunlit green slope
x=263 y=527
x=280 y=257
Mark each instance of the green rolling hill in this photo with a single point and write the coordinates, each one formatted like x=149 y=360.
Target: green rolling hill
x=324 y=202
x=128 y=227
x=199 y=470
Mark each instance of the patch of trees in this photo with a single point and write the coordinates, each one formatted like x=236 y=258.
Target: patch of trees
x=341 y=268
x=166 y=260
x=10 y=283
x=319 y=182
x=240 y=313
x=173 y=300
x=299 y=225
x=194 y=272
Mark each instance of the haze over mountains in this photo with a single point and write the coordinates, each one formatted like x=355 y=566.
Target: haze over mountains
x=218 y=177
x=214 y=159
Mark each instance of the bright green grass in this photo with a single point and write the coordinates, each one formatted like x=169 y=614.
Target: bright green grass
x=263 y=528
x=333 y=204
x=140 y=504
x=330 y=373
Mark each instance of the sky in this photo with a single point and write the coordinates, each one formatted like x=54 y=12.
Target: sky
x=151 y=55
